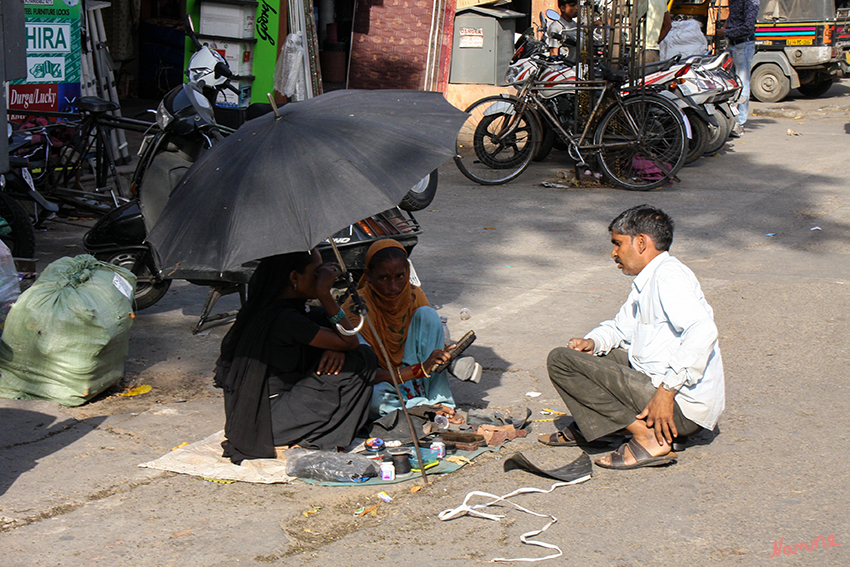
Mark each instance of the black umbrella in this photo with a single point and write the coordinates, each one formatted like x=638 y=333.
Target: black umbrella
x=283 y=184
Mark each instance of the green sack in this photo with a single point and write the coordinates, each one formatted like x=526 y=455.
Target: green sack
x=66 y=338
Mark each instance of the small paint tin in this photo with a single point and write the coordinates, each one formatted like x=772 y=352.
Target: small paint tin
x=374 y=444
x=387 y=471
x=439 y=447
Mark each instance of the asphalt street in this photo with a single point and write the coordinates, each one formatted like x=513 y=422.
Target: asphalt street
x=763 y=224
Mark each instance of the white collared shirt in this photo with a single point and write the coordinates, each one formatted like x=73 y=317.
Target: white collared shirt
x=668 y=329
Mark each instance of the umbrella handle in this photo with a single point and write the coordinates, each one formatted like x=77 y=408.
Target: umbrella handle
x=352 y=332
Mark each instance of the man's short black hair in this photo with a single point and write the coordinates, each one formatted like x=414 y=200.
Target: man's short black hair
x=565 y=2
x=645 y=219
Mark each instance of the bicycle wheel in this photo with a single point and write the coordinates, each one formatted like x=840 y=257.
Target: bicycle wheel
x=643 y=141
x=495 y=144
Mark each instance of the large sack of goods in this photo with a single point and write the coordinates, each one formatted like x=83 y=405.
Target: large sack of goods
x=66 y=338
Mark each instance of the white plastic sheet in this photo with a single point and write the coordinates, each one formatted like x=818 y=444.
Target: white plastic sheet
x=289 y=77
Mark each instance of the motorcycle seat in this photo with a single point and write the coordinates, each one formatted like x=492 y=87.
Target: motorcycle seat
x=96 y=105
x=613 y=75
x=661 y=65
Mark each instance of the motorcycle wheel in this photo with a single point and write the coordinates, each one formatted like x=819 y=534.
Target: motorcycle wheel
x=421 y=195
x=149 y=289
x=637 y=139
x=497 y=146
x=816 y=89
x=16 y=229
x=718 y=134
x=699 y=137
x=546 y=143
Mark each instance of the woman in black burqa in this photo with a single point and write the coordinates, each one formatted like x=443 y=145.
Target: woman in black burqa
x=288 y=376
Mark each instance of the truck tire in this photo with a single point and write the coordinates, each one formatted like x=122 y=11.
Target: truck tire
x=768 y=83
x=815 y=89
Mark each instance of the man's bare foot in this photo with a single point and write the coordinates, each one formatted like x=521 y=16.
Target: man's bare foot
x=643 y=436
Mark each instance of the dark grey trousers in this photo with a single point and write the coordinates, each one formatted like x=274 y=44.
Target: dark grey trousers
x=604 y=393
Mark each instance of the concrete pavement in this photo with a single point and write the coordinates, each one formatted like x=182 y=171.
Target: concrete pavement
x=531 y=263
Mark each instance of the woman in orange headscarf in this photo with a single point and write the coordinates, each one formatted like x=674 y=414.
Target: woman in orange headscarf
x=410 y=330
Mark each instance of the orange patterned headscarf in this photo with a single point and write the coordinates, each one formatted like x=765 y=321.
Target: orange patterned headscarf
x=391 y=317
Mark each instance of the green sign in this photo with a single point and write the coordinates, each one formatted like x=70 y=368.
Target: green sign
x=265 y=52
x=264 y=56
x=53 y=57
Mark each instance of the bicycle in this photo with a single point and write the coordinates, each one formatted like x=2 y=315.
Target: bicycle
x=58 y=168
x=638 y=137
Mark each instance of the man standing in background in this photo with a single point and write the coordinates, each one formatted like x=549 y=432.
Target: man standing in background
x=740 y=33
x=657 y=25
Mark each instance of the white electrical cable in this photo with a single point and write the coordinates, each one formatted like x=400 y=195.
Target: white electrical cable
x=465 y=508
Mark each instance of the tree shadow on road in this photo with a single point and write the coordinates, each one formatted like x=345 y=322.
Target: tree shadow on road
x=28 y=436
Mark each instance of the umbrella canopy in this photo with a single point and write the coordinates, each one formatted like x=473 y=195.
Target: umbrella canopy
x=284 y=184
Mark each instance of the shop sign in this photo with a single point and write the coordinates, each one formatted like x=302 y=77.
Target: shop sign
x=53 y=58
x=267 y=32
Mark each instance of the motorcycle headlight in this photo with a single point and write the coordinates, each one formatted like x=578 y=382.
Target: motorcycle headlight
x=163 y=117
x=511 y=75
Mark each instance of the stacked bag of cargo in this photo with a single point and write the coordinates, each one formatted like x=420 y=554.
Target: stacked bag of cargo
x=66 y=338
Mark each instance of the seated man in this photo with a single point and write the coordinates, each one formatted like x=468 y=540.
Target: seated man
x=669 y=379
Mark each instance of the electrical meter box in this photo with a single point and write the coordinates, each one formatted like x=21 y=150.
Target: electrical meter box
x=483 y=45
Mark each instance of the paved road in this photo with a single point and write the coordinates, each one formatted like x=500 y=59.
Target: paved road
x=531 y=263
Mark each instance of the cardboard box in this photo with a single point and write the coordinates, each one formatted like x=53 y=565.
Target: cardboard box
x=228 y=20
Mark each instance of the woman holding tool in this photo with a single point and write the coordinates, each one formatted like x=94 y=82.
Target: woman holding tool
x=288 y=376
x=412 y=333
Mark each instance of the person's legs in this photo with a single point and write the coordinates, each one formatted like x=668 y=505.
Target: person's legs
x=326 y=411
x=424 y=335
x=742 y=56
x=603 y=393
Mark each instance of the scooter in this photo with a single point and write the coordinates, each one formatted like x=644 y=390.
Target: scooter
x=187 y=127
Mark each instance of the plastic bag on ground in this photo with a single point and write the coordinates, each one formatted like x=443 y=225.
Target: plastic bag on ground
x=10 y=286
x=67 y=337
x=328 y=466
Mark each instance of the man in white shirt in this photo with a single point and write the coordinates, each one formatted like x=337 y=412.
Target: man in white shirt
x=655 y=369
x=658 y=24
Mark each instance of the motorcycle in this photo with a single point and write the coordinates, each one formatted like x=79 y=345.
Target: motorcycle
x=17 y=194
x=699 y=87
x=187 y=127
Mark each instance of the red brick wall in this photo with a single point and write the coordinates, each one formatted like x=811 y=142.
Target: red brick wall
x=390 y=45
